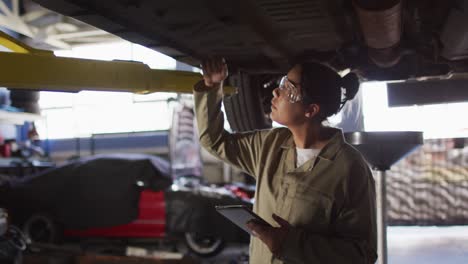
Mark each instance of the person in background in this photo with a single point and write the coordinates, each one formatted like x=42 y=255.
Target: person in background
x=315 y=189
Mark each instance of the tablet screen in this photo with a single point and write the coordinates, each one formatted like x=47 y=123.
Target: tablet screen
x=240 y=215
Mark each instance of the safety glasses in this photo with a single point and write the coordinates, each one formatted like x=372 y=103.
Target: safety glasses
x=291 y=91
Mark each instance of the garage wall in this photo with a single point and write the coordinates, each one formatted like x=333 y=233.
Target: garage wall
x=430 y=186
x=153 y=142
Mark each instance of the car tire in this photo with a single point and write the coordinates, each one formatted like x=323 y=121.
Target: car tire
x=41 y=228
x=245 y=110
x=204 y=246
x=28 y=107
x=24 y=95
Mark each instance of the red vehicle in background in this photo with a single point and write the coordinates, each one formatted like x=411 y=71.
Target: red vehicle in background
x=121 y=198
x=151 y=221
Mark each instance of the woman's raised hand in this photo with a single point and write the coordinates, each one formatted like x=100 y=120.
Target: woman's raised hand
x=214 y=71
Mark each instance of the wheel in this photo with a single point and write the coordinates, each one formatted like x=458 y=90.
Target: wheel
x=26 y=100
x=203 y=245
x=28 y=107
x=41 y=228
x=246 y=110
x=24 y=95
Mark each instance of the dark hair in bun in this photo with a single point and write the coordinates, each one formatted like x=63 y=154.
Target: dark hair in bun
x=350 y=83
x=321 y=84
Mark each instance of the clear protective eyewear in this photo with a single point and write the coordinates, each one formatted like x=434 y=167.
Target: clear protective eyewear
x=292 y=92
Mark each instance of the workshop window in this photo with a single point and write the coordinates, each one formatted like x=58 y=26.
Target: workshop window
x=90 y=113
x=435 y=121
x=71 y=115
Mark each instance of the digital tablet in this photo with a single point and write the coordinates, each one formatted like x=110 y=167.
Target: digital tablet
x=240 y=215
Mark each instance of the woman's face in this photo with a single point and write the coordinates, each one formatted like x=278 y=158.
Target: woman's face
x=283 y=111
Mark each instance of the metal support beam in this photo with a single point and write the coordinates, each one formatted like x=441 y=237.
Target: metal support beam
x=40 y=72
x=15 y=7
x=4 y=9
x=12 y=20
x=31 y=16
x=89 y=33
x=381 y=191
x=19 y=47
x=29 y=68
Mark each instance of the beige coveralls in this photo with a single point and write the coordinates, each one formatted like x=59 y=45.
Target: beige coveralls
x=330 y=202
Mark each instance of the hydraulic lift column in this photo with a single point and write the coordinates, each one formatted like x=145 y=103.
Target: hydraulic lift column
x=382 y=150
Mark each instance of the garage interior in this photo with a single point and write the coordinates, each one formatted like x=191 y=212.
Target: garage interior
x=86 y=87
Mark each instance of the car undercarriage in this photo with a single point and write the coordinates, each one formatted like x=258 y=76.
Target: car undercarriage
x=404 y=42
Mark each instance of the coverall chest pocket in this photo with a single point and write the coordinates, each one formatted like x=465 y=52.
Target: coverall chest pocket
x=310 y=209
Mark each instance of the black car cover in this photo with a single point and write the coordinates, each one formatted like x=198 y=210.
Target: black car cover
x=194 y=211
x=91 y=192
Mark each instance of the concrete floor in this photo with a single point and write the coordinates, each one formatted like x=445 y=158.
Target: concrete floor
x=406 y=245
x=428 y=245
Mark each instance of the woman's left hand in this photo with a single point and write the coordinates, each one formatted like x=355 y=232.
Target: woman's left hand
x=273 y=237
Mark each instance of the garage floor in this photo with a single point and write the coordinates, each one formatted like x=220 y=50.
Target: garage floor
x=428 y=245
x=406 y=245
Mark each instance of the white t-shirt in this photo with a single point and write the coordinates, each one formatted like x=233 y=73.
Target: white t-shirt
x=303 y=155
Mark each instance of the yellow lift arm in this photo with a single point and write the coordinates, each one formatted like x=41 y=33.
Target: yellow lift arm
x=30 y=68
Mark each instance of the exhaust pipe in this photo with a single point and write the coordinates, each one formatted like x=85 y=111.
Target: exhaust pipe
x=381 y=26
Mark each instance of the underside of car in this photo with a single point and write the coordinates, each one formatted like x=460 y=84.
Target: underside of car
x=390 y=40
x=405 y=38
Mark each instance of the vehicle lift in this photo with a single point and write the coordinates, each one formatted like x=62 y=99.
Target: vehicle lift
x=35 y=69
